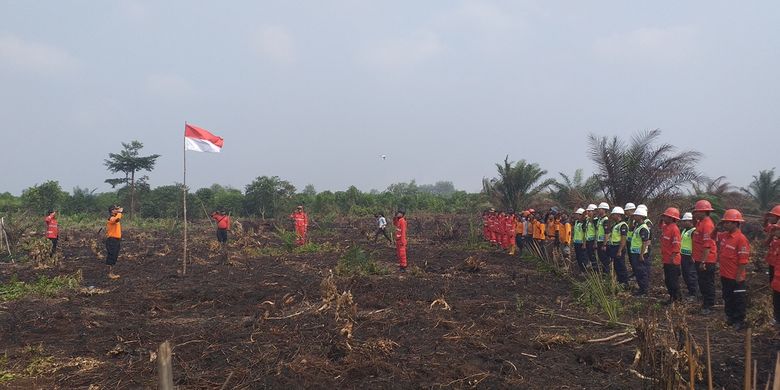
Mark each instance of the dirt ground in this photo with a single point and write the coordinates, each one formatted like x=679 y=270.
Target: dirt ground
x=260 y=321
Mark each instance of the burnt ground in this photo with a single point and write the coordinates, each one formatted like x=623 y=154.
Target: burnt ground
x=258 y=321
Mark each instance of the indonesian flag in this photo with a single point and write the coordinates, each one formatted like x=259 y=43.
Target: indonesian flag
x=200 y=140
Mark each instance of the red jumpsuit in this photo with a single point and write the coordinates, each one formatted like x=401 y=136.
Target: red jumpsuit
x=492 y=227
x=400 y=240
x=486 y=226
x=301 y=224
x=509 y=229
x=52 y=229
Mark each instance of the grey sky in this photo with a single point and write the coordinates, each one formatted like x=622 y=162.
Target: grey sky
x=315 y=91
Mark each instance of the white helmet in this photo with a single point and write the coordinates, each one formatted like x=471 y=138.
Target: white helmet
x=687 y=217
x=642 y=206
x=604 y=205
x=618 y=210
x=642 y=212
x=581 y=211
x=630 y=206
x=591 y=207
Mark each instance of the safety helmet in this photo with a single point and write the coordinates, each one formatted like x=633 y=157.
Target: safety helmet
x=732 y=215
x=579 y=211
x=604 y=205
x=642 y=206
x=630 y=206
x=642 y=212
x=618 y=210
x=591 y=207
x=775 y=211
x=672 y=212
x=531 y=211
x=703 y=205
x=687 y=217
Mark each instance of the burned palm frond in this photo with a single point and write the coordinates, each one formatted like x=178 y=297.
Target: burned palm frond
x=472 y=264
x=669 y=356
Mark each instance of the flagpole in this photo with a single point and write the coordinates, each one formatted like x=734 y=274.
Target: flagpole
x=184 y=260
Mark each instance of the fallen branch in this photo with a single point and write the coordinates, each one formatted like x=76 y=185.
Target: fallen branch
x=288 y=316
x=529 y=355
x=614 y=336
x=640 y=376
x=624 y=341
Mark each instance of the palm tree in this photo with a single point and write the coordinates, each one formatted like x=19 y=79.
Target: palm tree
x=764 y=189
x=574 y=192
x=516 y=184
x=640 y=171
x=716 y=187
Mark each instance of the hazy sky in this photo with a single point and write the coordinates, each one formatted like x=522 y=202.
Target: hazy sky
x=316 y=91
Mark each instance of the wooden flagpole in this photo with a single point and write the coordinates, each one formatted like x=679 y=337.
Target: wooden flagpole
x=184 y=259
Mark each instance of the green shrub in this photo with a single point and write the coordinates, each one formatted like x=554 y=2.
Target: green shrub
x=44 y=286
x=357 y=262
x=601 y=291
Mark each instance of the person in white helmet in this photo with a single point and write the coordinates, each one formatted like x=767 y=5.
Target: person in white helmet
x=616 y=248
x=578 y=238
x=629 y=210
x=602 y=220
x=590 y=236
x=639 y=251
x=687 y=265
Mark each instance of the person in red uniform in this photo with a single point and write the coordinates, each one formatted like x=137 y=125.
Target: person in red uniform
x=492 y=216
x=772 y=229
x=223 y=224
x=509 y=228
x=670 y=252
x=733 y=257
x=400 y=238
x=301 y=220
x=485 y=224
x=771 y=219
x=704 y=253
x=52 y=230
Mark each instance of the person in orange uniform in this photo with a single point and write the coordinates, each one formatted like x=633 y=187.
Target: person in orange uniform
x=52 y=230
x=538 y=231
x=733 y=258
x=492 y=224
x=113 y=238
x=704 y=253
x=510 y=229
x=564 y=235
x=550 y=234
x=670 y=252
x=301 y=220
x=400 y=238
x=771 y=219
x=223 y=224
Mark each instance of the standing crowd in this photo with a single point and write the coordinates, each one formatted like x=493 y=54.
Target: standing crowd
x=693 y=248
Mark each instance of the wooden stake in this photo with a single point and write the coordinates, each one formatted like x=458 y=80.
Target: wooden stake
x=164 y=368
x=709 y=362
x=776 y=382
x=688 y=349
x=748 y=359
x=755 y=374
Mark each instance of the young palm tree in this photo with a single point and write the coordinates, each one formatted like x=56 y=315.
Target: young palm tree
x=575 y=191
x=516 y=184
x=640 y=171
x=764 y=189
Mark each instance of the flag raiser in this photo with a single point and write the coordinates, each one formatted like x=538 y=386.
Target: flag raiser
x=200 y=140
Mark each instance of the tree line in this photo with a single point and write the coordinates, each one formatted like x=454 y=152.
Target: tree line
x=639 y=170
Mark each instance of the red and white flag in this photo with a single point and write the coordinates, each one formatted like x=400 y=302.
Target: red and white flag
x=200 y=140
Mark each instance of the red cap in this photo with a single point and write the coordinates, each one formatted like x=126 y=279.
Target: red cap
x=775 y=211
